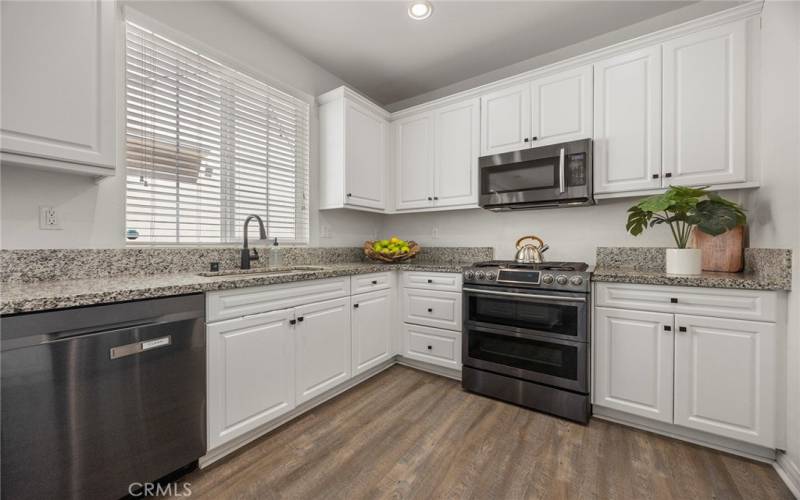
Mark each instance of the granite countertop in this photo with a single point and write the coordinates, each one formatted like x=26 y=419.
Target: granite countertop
x=60 y=294
x=764 y=269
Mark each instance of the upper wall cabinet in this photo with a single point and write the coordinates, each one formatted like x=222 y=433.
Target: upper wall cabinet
x=627 y=122
x=549 y=110
x=436 y=157
x=353 y=152
x=58 y=83
x=704 y=107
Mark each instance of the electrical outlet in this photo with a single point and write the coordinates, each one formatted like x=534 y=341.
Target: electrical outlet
x=48 y=219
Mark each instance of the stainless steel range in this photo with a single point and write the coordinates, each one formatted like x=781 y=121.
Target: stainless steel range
x=526 y=335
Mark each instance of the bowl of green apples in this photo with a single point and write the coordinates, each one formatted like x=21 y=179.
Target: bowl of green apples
x=391 y=250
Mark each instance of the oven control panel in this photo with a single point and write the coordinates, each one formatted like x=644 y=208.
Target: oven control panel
x=553 y=279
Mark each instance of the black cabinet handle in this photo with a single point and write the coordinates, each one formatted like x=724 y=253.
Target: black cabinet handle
x=655 y=176
x=430 y=347
x=667 y=328
x=374 y=282
x=525 y=139
x=435 y=197
x=668 y=174
x=681 y=328
x=430 y=310
x=349 y=195
x=292 y=321
x=430 y=281
x=430 y=198
x=534 y=138
x=355 y=306
x=300 y=318
x=673 y=300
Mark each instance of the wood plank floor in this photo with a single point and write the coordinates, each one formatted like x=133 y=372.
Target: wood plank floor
x=409 y=434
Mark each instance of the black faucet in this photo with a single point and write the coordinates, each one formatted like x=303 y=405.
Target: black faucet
x=246 y=256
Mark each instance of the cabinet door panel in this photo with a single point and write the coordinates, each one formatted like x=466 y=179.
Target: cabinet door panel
x=505 y=120
x=372 y=330
x=627 y=122
x=457 y=139
x=414 y=156
x=725 y=377
x=250 y=374
x=322 y=347
x=561 y=107
x=704 y=107
x=365 y=158
x=58 y=81
x=633 y=362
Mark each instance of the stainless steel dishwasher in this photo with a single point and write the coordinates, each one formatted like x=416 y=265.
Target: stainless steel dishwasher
x=97 y=398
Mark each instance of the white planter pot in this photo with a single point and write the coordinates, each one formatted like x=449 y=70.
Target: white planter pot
x=684 y=261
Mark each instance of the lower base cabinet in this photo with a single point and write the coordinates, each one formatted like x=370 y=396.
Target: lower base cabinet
x=372 y=329
x=250 y=373
x=322 y=337
x=707 y=373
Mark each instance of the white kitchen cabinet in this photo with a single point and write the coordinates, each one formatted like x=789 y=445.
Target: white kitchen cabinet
x=633 y=359
x=322 y=347
x=725 y=377
x=58 y=86
x=432 y=308
x=251 y=373
x=704 y=107
x=371 y=330
x=457 y=143
x=627 y=122
x=414 y=161
x=353 y=152
x=561 y=107
x=506 y=120
x=432 y=345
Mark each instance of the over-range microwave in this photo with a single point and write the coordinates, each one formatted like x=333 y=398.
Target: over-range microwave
x=559 y=175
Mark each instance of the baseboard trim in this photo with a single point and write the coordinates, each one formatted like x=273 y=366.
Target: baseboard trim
x=427 y=367
x=212 y=456
x=727 y=445
x=789 y=471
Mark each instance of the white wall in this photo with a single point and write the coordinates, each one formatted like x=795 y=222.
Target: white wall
x=93 y=215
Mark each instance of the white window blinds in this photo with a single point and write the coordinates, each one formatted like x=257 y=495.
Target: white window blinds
x=207 y=146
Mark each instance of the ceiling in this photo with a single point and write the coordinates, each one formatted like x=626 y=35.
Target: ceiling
x=376 y=48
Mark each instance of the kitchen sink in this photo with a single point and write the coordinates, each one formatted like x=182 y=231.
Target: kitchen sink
x=258 y=271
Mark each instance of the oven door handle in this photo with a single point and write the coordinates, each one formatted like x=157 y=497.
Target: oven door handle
x=551 y=298
x=561 y=172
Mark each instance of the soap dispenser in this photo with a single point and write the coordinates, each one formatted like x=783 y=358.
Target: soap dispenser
x=275 y=254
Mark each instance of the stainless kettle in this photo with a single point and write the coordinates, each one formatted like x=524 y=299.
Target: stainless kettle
x=530 y=253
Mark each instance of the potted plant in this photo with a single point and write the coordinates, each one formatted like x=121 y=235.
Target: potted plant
x=684 y=208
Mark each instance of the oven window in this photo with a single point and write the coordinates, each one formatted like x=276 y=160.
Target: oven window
x=522 y=176
x=531 y=355
x=529 y=315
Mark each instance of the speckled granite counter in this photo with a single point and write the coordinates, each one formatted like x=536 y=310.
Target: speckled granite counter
x=60 y=294
x=765 y=269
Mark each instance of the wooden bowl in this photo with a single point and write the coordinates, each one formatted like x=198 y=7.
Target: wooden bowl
x=413 y=249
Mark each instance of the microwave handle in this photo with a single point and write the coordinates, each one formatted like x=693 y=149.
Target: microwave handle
x=561 y=171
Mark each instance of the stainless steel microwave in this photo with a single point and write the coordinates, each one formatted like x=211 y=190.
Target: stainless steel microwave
x=559 y=175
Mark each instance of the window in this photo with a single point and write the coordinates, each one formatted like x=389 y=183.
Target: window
x=207 y=146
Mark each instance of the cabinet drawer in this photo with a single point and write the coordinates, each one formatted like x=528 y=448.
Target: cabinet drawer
x=240 y=302
x=433 y=345
x=757 y=305
x=432 y=308
x=447 y=282
x=370 y=282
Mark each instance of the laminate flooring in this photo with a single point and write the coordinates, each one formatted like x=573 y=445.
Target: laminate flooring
x=409 y=434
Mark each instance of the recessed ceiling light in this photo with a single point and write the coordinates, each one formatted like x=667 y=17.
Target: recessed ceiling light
x=420 y=9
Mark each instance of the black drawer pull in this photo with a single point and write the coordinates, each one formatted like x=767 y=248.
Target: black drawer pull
x=374 y=282
x=667 y=328
x=430 y=347
x=292 y=321
x=300 y=318
x=681 y=328
x=430 y=309
x=655 y=176
x=355 y=306
x=668 y=174
x=673 y=300
x=430 y=281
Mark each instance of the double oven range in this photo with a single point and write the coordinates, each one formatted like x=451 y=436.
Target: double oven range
x=526 y=335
